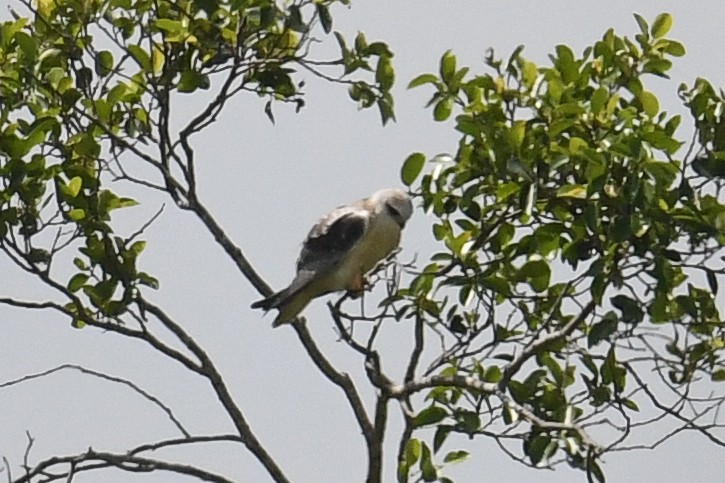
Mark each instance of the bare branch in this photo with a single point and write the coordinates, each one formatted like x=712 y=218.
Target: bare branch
x=106 y=377
x=87 y=319
x=145 y=226
x=91 y=460
x=234 y=252
x=235 y=438
x=209 y=370
x=340 y=379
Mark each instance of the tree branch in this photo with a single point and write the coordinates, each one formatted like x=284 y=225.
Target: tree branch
x=209 y=370
x=234 y=252
x=106 y=377
x=126 y=462
x=340 y=379
x=535 y=346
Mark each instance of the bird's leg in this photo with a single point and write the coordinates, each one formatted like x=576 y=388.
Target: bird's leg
x=357 y=286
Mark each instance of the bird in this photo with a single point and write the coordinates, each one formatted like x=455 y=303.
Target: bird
x=340 y=249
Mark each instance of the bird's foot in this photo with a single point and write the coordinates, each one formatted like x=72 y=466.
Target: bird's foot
x=357 y=287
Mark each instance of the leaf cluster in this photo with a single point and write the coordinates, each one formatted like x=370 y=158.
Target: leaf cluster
x=572 y=228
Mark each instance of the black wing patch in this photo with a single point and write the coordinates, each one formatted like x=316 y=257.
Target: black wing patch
x=326 y=244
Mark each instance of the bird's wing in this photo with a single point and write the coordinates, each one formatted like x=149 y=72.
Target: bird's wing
x=325 y=247
x=332 y=238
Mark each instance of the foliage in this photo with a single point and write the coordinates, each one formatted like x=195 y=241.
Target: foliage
x=580 y=251
x=579 y=244
x=87 y=91
x=86 y=83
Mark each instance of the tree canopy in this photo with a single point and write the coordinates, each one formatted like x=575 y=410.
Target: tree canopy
x=573 y=298
x=581 y=247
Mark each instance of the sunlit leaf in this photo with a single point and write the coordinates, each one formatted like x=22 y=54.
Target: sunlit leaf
x=412 y=168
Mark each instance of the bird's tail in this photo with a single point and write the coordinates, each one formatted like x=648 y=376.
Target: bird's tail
x=271 y=302
x=289 y=301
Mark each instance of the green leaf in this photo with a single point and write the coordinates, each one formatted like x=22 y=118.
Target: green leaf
x=191 y=80
x=325 y=18
x=504 y=190
x=448 y=66
x=442 y=432
x=658 y=67
x=104 y=290
x=602 y=329
x=412 y=451
x=412 y=166
x=379 y=49
x=650 y=103
x=361 y=43
x=510 y=415
x=644 y=28
x=146 y=279
x=104 y=63
x=631 y=311
x=411 y=457
x=661 y=25
x=73 y=187
x=157 y=60
x=675 y=49
x=295 y=20
x=595 y=470
x=517 y=133
x=429 y=415
x=385 y=74
x=385 y=105
x=577 y=191
x=27 y=44
x=141 y=57
x=711 y=280
x=170 y=26
x=537 y=273
x=709 y=166
x=467 y=421
x=38 y=255
x=77 y=214
x=443 y=109
x=138 y=247
x=718 y=375
x=456 y=456
x=77 y=281
x=599 y=99
x=536 y=448
x=428 y=470
x=628 y=403
x=492 y=374
x=423 y=79
x=127 y=202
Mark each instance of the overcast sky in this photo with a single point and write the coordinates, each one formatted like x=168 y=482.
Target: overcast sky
x=266 y=185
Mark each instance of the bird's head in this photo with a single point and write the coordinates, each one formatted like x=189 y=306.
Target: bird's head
x=395 y=203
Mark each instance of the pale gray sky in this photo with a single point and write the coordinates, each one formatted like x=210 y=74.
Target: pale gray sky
x=266 y=185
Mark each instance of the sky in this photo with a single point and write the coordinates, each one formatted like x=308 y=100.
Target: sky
x=266 y=185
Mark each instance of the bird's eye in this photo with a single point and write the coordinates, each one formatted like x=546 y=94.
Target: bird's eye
x=392 y=210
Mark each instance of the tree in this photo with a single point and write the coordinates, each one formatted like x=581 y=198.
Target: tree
x=580 y=255
x=577 y=251
x=87 y=94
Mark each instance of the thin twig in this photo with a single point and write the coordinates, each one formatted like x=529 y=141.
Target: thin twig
x=106 y=377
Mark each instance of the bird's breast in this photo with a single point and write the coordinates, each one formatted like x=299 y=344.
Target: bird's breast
x=381 y=239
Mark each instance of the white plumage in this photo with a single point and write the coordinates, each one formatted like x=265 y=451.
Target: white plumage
x=340 y=249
